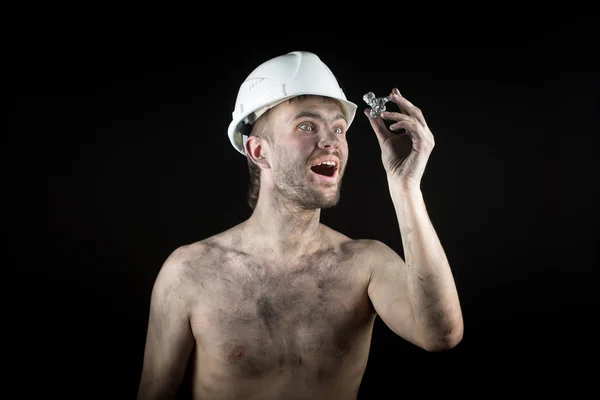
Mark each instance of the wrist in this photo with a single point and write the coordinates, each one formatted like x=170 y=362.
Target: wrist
x=404 y=187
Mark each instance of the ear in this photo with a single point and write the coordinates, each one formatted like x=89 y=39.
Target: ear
x=256 y=151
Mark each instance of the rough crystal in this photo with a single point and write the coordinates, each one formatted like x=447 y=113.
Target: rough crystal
x=377 y=104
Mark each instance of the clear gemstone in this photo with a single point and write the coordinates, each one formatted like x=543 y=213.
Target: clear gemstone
x=377 y=104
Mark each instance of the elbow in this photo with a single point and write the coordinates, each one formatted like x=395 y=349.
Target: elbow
x=153 y=392
x=446 y=340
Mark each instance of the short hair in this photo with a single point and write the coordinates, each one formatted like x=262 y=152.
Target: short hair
x=262 y=129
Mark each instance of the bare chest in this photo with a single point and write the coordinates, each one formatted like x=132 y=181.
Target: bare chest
x=257 y=320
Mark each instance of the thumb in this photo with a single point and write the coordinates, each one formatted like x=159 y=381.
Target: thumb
x=381 y=131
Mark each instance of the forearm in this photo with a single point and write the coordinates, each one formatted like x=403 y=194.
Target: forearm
x=431 y=286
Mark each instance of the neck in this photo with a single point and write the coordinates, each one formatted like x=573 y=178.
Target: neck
x=284 y=228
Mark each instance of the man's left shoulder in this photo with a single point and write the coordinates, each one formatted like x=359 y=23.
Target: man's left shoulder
x=372 y=248
x=359 y=246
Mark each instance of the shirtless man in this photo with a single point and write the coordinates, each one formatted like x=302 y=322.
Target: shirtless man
x=281 y=306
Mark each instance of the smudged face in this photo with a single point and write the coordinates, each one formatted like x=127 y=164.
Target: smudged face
x=310 y=151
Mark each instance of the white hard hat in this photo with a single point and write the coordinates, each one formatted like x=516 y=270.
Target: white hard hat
x=276 y=80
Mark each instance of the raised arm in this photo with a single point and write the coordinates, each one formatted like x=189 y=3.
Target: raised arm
x=416 y=298
x=169 y=339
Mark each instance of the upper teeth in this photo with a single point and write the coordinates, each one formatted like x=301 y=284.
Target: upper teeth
x=329 y=163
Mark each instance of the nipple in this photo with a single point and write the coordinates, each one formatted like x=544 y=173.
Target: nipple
x=237 y=353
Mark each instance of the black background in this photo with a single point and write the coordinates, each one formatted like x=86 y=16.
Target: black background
x=120 y=154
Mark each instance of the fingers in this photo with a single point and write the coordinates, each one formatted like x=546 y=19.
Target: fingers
x=407 y=107
x=410 y=126
x=409 y=118
x=381 y=131
x=396 y=116
x=402 y=121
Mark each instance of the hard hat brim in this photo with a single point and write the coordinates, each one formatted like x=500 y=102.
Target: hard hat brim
x=237 y=138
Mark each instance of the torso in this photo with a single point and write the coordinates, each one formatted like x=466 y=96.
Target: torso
x=265 y=331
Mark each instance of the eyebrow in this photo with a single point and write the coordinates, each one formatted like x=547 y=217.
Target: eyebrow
x=310 y=114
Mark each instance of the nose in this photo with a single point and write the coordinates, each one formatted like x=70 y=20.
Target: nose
x=329 y=140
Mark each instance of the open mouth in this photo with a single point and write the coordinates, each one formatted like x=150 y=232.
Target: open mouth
x=325 y=168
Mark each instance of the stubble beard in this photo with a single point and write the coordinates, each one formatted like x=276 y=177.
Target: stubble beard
x=293 y=183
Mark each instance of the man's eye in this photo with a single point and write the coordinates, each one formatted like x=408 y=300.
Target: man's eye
x=338 y=130
x=305 y=127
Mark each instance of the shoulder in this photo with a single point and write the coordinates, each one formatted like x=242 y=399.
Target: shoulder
x=368 y=249
x=193 y=261
x=188 y=265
